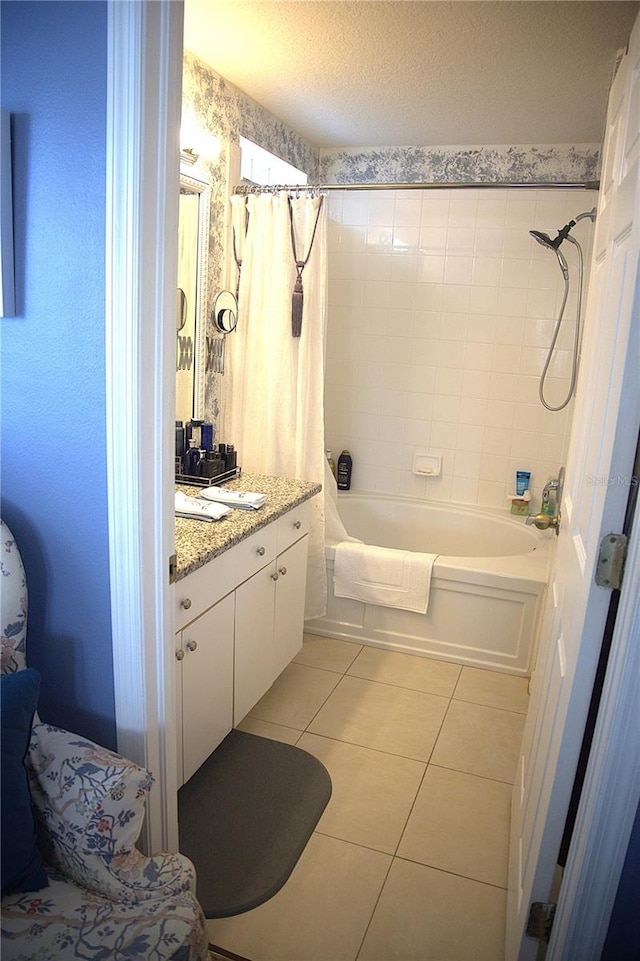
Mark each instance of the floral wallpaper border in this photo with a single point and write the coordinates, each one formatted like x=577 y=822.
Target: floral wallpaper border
x=534 y=163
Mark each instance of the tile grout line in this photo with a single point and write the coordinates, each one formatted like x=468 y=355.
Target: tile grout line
x=453 y=874
x=374 y=909
x=427 y=763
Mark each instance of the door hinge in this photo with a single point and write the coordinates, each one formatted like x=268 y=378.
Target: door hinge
x=611 y=558
x=173 y=568
x=540 y=920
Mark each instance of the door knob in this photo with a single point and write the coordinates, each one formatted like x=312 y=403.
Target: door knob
x=297 y=525
x=192 y=645
x=179 y=654
x=186 y=603
x=275 y=576
x=283 y=571
x=544 y=521
x=261 y=551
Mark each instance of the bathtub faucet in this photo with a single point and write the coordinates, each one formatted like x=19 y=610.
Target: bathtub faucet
x=549 y=518
x=556 y=486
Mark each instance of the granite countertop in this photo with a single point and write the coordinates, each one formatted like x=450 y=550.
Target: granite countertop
x=199 y=541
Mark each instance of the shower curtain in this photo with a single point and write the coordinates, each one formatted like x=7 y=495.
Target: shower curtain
x=274 y=405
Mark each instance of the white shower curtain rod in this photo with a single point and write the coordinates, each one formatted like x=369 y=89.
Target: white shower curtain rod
x=244 y=189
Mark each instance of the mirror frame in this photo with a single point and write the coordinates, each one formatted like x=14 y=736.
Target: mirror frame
x=203 y=188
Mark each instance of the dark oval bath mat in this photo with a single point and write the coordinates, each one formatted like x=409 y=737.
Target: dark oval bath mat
x=245 y=817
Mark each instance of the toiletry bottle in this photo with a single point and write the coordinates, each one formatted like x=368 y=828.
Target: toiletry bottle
x=206 y=436
x=523 y=482
x=332 y=463
x=231 y=460
x=179 y=439
x=196 y=426
x=344 y=471
x=211 y=466
x=547 y=506
x=192 y=460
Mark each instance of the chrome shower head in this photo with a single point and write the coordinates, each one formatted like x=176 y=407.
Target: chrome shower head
x=546 y=240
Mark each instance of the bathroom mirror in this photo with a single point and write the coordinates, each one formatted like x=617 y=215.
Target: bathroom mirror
x=191 y=296
x=225 y=312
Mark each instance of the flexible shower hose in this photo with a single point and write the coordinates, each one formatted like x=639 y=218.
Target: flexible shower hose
x=576 y=339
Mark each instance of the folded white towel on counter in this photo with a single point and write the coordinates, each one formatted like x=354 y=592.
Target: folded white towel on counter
x=246 y=500
x=186 y=506
x=383 y=576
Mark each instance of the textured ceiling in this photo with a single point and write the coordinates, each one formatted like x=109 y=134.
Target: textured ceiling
x=362 y=73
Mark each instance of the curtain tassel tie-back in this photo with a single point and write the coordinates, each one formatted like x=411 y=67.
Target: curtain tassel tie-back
x=297 y=299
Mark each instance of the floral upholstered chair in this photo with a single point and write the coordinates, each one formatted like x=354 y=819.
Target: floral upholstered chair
x=73 y=883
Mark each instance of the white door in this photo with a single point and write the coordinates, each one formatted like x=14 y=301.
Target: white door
x=599 y=466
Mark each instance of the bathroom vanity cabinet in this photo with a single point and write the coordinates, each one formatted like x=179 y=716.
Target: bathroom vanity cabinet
x=270 y=615
x=239 y=621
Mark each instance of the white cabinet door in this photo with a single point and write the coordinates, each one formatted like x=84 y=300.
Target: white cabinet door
x=291 y=567
x=254 y=640
x=207 y=683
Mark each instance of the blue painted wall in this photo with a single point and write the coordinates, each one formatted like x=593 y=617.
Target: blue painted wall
x=53 y=466
x=623 y=937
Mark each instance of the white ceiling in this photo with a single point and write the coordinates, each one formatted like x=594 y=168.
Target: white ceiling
x=363 y=73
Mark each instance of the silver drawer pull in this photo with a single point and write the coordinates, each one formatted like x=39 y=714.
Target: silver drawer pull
x=261 y=551
x=179 y=654
x=186 y=603
x=275 y=576
x=283 y=571
x=192 y=645
x=297 y=525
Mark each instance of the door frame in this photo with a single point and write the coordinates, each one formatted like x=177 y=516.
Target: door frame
x=144 y=41
x=144 y=90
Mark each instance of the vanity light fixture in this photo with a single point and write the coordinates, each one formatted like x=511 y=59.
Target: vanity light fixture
x=194 y=142
x=188 y=156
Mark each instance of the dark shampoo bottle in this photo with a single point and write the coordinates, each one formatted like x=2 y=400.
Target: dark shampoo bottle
x=344 y=471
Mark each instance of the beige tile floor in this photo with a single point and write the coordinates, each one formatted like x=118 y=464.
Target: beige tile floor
x=409 y=859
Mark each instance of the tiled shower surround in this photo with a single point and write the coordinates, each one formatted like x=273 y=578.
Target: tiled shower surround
x=441 y=310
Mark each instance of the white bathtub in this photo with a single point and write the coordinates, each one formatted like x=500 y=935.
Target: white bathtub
x=486 y=591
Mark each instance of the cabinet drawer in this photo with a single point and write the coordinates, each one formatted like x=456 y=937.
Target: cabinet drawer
x=198 y=591
x=293 y=525
x=254 y=553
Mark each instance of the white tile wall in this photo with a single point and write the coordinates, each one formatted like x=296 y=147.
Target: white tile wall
x=441 y=310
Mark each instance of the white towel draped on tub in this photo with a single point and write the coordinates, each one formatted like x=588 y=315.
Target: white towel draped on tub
x=383 y=576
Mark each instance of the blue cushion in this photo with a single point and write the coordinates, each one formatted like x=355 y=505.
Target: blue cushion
x=21 y=862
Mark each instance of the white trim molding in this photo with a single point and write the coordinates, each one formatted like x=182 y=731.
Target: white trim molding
x=144 y=83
